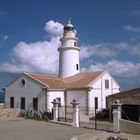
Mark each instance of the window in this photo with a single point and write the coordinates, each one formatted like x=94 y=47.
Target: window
x=106 y=83
x=35 y=103
x=22 y=105
x=96 y=102
x=75 y=44
x=11 y=102
x=77 y=67
x=22 y=83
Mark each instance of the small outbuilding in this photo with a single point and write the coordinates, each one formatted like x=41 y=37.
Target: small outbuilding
x=130 y=103
x=126 y=97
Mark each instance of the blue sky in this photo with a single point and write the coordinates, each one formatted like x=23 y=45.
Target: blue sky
x=108 y=32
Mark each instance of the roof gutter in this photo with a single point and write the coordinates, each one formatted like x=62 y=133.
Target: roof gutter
x=53 y=89
x=80 y=88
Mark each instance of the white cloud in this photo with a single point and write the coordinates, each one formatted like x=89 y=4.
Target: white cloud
x=39 y=56
x=85 y=52
x=118 y=68
x=109 y=50
x=132 y=29
x=100 y=50
x=129 y=48
x=121 y=46
x=54 y=28
x=126 y=73
x=14 y=68
x=136 y=50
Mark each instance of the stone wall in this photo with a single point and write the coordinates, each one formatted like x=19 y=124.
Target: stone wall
x=129 y=127
x=9 y=112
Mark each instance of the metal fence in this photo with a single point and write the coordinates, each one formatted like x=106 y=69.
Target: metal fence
x=65 y=113
x=98 y=119
x=88 y=117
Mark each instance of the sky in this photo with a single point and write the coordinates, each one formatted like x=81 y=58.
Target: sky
x=108 y=32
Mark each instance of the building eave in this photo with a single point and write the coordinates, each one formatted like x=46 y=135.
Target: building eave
x=80 y=88
x=52 y=89
x=97 y=78
x=36 y=79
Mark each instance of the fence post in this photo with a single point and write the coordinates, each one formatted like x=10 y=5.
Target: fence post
x=55 y=109
x=75 y=116
x=116 y=116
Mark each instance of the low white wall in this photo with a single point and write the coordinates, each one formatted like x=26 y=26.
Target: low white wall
x=129 y=127
x=51 y=95
x=77 y=95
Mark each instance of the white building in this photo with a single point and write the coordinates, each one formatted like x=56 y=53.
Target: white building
x=37 y=91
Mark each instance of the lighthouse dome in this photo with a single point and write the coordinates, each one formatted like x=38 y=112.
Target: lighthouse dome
x=68 y=26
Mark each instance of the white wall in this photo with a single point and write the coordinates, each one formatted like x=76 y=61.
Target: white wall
x=68 y=58
x=101 y=92
x=51 y=95
x=30 y=90
x=77 y=95
x=92 y=94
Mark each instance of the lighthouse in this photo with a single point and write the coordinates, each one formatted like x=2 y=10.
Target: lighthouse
x=69 y=63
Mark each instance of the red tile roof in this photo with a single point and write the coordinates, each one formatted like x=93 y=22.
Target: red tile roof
x=80 y=80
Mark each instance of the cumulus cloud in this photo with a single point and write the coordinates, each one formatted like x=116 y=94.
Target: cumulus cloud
x=54 y=28
x=109 y=50
x=13 y=67
x=136 y=50
x=99 y=50
x=121 y=45
x=42 y=56
x=132 y=29
x=118 y=68
x=125 y=72
x=39 y=56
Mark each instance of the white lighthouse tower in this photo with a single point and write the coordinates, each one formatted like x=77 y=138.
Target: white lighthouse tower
x=69 y=52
